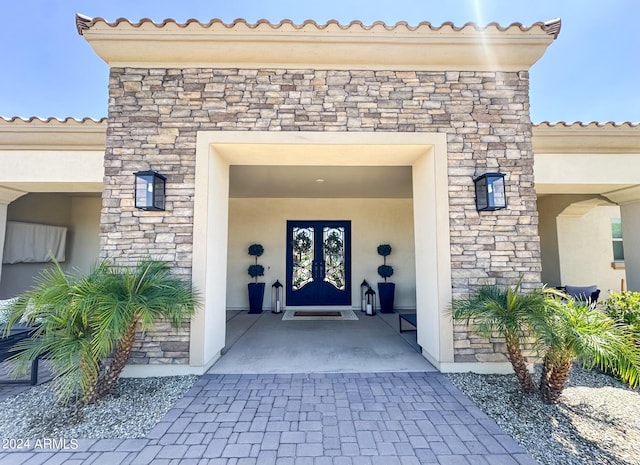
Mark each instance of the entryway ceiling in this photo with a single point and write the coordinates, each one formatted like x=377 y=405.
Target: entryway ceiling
x=320 y=181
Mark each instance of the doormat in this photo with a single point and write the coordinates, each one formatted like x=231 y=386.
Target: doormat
x=319 y=315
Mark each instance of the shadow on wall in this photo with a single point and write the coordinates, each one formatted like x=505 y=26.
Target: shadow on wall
x=79 y=213
x=576 y=241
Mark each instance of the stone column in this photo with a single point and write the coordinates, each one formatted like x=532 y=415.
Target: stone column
x=6 y=197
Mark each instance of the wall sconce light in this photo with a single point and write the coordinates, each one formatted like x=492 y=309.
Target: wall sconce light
x=150 y=191
x=490 y=192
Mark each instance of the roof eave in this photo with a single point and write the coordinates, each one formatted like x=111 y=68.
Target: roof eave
x=53 y=134
x=310 y=46
x=582 y=138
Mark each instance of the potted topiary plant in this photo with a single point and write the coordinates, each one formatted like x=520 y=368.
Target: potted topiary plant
x=256 y=289
x=385 y=289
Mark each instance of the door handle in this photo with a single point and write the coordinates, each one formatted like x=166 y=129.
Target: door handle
x=318 y=270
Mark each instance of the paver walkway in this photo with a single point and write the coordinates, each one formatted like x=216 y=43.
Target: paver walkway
x=308 y=419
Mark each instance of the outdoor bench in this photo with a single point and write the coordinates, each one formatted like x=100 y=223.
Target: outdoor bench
x=587 y=295
x=409 y=318
x=18 y=332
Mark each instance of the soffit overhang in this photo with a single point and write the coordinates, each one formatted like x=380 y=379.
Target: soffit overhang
x=194 y=44
x=52 y=134
x=567 y=155
x=586 y=138
x=89 y=134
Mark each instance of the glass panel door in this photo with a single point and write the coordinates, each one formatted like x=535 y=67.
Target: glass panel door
x=333 y=255
x=303 y=257
x=318 y=263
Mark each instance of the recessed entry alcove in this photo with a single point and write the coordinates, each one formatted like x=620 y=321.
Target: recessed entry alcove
x=248 y=185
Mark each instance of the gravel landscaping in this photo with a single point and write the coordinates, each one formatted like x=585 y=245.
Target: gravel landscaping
x=597 y=420
x=135 y=407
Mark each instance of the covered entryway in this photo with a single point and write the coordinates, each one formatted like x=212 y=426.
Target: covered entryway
x=52 y=175
x=217 y=203
x=587 y=178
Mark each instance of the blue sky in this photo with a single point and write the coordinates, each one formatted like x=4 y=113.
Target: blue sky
x=591 y=73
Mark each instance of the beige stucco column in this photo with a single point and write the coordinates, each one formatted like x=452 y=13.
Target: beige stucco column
x=630 y=216
x=629 y=201
x=6 y=197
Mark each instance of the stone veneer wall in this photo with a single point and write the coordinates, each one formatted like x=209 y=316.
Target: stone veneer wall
x=154 y=115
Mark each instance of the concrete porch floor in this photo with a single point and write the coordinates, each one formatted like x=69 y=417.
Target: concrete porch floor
x=265 y=343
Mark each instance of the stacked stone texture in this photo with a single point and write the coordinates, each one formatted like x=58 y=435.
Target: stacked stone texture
x=154 y=115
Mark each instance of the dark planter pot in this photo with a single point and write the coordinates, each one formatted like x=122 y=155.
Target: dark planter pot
x=256 y=295
x=386 y=291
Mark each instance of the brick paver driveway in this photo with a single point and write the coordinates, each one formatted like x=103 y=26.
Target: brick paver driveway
x=309 y=419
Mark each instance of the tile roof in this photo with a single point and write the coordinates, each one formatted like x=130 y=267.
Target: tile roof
x=586 y=137
x=84 y=23
x=331 y=45
x=51 y=119
x=68 y=134
x=587 y=124
x=540 y=124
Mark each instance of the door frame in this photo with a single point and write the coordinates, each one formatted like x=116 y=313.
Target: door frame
x=425 y=152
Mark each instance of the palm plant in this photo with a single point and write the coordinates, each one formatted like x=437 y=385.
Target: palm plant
x=576 y=331
x=140 y=295
x=508 y=311
x=84 y=320
x=59 y=307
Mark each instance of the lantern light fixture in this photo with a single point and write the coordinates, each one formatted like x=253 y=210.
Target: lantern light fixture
x=150 y=190
x=490 y=192
x=363 y=300
x=370 y=297
x=276 y=297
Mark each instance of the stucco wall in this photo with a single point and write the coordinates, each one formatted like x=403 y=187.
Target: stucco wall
x=81 y=215
x=630 y=213
x=586 y=252
x=84 y=232
x=549 y=207
x=155 y=115
x=373 y=222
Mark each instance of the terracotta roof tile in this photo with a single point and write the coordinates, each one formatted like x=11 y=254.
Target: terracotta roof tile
x=37 y=119
x=583 y=124
x=84 y=23
x=592 y=124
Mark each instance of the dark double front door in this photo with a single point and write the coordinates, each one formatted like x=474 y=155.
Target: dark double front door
x=318 y=263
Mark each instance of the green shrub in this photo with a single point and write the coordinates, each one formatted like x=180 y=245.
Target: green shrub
x=384 y=250
x=625 y=307
x=256 y=250
x=385 y=271
x=86 y=323
x=576 y=331
x=255 y=270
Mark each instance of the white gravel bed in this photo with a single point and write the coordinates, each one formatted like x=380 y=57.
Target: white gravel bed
x=135 y=407
x=597 y=420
